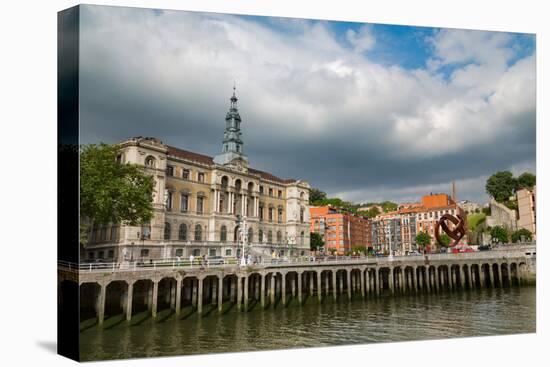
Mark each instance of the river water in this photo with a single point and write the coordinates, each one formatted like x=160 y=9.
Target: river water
x=383 y=319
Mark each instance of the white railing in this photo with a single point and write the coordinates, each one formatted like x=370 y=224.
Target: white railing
x=174 y=263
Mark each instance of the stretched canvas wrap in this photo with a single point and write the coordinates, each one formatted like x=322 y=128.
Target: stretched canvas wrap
x=233 y=183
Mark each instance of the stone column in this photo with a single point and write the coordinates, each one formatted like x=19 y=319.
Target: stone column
x=129 y=300
x=257 y=288
x=334 y=287
x=482 y=275
x=402 y=284
x=391 y=280
x=239 y=292
x=414 y=283
x=220 y=293
x=155 y=299
x=379 y=281
x=319 y=289
x=262 y=291
x=463 y=276
x=472 y=277
x=311 y=286
x=500 y=276
x=448 y=272
x=508 y=275
x=272 y=290
x=246 y=293
x=367 y=281
x=437 y=278
x=348 y=281
x=214 y=291
x=101 y=304
x=300 y=287
x=199 y=297
x=492 y=275
x=293 y=285
x=362 y=280
x=283 y=288
x=172 y=295
x=178 y=296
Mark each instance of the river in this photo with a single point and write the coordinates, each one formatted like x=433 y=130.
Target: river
x=383 y=319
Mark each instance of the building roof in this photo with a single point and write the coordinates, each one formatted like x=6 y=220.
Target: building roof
x=204 y=159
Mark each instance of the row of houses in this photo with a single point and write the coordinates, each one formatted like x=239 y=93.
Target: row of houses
x=395 y=231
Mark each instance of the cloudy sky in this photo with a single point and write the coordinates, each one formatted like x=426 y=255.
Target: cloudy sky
x=365 y=112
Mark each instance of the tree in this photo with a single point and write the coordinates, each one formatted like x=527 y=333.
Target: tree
x=499 y=234
x=316 y=241
x=445 y=239
x=372 y=212
x=111 y=192
x=388 y=206
x=525 y=233
x=423 y=239
x=501 y=186
x=316 y=195
x=526 y=180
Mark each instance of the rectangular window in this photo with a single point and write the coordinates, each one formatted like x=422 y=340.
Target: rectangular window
x=91 y=255
x=179 y=252
x=184 y=203
x=279 y=194
x=200 y=177
x=169 y=201
x=200 y=204
x=169 y=170
x=145 y=252
x=212 y=252
x=261 y=189
x=196 y=252
x=270 y=192
x=228 y=252
x=185 y=174
x=111 y=254
x=100 y=255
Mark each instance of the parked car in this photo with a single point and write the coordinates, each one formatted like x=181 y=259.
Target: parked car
x=484 y=247
x=216 y=260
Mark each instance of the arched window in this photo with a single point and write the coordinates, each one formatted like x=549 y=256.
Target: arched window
x=250 y=235
x=302 y=214
x=150 y=161
x=260 y=236
x=269 y=237
x=198 y=232
x=182 y=234
x=302 y=238
x=223 y=234
x=167 y=230
x=302 y=195
x=279 y=237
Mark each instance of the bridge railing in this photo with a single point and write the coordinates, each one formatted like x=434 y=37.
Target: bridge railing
x=175 y=263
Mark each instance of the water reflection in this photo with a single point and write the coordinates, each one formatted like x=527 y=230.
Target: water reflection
x=385 y=319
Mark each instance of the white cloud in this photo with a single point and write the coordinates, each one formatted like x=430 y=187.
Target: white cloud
x=361 y=40
x=305 y=85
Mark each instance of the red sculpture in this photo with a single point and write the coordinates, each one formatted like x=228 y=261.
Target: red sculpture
x=456 y=231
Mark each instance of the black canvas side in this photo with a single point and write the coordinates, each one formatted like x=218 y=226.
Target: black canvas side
x=68 y=179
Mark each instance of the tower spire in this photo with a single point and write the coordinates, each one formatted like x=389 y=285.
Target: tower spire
x=232 y=147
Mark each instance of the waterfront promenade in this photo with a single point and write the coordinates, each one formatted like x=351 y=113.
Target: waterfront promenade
x=115 y=289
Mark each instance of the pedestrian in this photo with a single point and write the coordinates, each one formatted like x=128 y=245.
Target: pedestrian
x=191 y=259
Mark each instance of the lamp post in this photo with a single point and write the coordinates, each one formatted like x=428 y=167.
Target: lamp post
x=390 y=257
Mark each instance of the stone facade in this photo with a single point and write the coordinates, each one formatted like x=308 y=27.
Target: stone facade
x=197 y=201
x=527 y=209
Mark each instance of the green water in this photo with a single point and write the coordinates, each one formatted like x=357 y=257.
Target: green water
x=384 y=319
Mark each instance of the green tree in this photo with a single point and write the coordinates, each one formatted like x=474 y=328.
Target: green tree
x=316 y=195
x=316 y=241
x=445 y=239
x=527 y=180
x=372 y=212
x=423 y=239
x=111 y=192
x=499 y=234
x=517 y=235
x=359 y=249
x=388 y=206
x=501 y=186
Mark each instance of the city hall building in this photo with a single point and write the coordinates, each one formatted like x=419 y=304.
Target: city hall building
x=198 y=199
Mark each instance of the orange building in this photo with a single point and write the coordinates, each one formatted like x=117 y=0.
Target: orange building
x=433 y=207
x=340 y=230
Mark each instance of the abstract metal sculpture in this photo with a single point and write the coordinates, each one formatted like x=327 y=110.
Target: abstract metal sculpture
x=455 y=232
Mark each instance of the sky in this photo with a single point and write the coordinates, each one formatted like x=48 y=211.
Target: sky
x=364 y=112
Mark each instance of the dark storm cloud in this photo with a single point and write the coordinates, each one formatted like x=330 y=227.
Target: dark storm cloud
x=312 y=108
